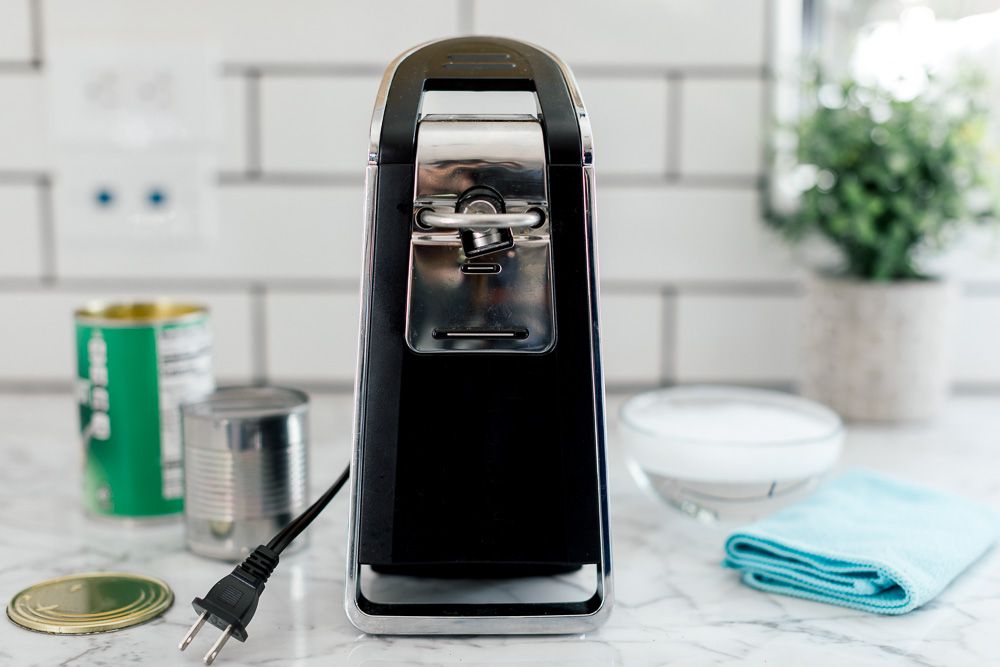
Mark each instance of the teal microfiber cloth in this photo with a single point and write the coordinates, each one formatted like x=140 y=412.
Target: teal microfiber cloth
x=864 y=541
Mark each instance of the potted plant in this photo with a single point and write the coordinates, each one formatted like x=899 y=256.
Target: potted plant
x=885 y=182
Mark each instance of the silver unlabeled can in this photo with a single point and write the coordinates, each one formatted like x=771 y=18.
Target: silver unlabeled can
x=245 y=468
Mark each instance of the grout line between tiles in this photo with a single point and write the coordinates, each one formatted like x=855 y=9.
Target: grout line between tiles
x=611 y=180
x=668 y=335
x=466 y=17
x=773 y=384
x=767 y=95
x=622 y=287
x=675 y=91
x=22 y=177
x=767 y=46
x=656 y=71
x=46 y=230
x=978 y=388
x=597 y=70
x=35 y=43
x=37 y=33
x=811 y=28
x=788 y=288
x=304 y=69
x=345 y=386
x=301 y=179
x=253 y=137
x=626 y=388
x=58 y=386
x=16 y=67
x=721 y=181
x=258 y=333
x=40 y=386
x=984 y=288
x=166 y=283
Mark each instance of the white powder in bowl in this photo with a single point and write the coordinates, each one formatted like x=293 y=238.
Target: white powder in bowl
x=729 y=421
x=729 y=435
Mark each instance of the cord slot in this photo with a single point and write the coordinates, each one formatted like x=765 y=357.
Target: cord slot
x=480 y=269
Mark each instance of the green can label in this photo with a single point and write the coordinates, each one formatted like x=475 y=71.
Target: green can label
x=132 y=380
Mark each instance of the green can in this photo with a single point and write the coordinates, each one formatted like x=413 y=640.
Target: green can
x=137 y=363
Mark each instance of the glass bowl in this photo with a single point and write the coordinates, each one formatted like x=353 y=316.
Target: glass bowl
x=718 y=452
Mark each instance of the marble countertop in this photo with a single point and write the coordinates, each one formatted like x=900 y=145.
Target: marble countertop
x=674 y=603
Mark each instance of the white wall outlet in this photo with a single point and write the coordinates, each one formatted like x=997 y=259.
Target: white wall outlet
x=136 y=134
x=135 y=97
x=124 y=200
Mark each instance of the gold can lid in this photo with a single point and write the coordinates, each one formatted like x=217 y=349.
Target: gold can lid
x=94 y=602
x=138 y=313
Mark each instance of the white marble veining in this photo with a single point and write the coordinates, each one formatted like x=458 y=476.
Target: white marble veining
x=675 y=604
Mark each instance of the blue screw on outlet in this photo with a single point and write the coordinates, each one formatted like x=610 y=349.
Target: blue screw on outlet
x=156 y=197
x=104 y=197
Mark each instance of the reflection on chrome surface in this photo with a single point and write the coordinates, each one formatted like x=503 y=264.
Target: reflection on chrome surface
x=482 y=308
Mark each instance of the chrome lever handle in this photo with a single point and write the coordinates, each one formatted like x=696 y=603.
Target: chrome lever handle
x=478 y=221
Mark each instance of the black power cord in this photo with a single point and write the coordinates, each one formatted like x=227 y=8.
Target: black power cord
x=232 y=601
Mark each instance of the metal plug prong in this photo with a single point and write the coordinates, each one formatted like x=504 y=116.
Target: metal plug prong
x=195 y=629
x=213 y=652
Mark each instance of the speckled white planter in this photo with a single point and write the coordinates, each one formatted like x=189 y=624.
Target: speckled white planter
x=878 y=351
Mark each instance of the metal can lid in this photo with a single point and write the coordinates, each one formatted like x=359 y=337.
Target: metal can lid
x=92 y=602
x=246 y=419
x=138 y=313
x=250 y=402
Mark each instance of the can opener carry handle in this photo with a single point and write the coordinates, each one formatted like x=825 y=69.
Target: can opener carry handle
x=479 y=64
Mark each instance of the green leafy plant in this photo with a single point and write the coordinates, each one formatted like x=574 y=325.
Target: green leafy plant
x=883 y=178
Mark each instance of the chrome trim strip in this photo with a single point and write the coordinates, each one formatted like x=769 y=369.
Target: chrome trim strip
x=499 y=624
x=600 y=404
x=353 y=583
x=378 y=113
x=480 y=625
x=582 y=117
x=475 y=221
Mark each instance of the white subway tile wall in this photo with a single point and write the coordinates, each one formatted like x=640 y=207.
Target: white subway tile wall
x=39 y=343
x=673 y=233
x=24 y=137
x=640 y=34
x=695 y=288
x=314 y=125
x=746 y=338
x=233 y=154
x=264 y=31
x=312 y=336
x=632 y=328
x=723 y=126
x=20 y=247
x=266 y=232
x=15 y=32
x=630 y=121
x=977 y=355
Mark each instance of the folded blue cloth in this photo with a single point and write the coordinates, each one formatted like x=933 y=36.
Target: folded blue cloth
x=865 y=541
